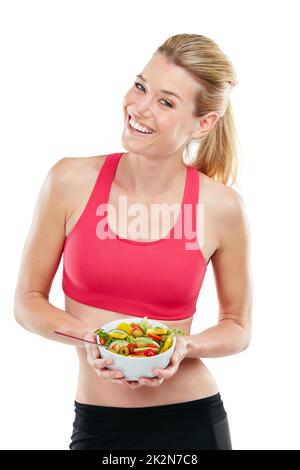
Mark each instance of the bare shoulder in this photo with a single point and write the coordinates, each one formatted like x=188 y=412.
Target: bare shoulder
x=71 y=170
x=224 y=206
x=234 y=223
x=213 y=190
x=74 y=177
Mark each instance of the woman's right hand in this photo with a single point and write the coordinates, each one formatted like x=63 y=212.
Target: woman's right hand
x=99 y=364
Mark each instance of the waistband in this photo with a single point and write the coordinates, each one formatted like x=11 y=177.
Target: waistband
x=195 y=412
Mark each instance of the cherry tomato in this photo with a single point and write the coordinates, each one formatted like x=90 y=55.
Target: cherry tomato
x=149 y=352
x=135 y=326
x=131 y=347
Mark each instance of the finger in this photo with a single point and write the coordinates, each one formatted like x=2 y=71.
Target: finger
x=169 y=371
x=130 y=383
x=92 y=349
x=175 y=359
x=122 y=382
x=165 y=373
x=107 y=374
x=125 y=383
x=101 y=363
x=115 y=381
x=151 y=382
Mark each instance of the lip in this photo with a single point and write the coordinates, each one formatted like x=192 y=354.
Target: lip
x=133 y=132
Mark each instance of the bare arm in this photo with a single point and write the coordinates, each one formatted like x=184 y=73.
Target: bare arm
x=41 y=257
x=232 y=272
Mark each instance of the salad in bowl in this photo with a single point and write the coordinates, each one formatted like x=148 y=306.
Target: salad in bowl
x=137 y=346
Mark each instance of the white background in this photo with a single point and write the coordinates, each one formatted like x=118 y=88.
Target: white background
x=66 y=66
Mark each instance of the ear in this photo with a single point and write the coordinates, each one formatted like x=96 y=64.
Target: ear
x=204 y=125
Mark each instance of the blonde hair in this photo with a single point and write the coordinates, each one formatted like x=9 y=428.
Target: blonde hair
x=201 y=57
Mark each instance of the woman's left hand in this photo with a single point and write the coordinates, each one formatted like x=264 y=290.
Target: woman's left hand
x=179 y=354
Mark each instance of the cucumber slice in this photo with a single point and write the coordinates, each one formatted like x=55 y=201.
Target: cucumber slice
x=116 y=330
x=144 y=349
x=148 y=340
x=121 y=342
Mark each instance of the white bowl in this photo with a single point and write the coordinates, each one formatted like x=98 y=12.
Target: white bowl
x=134 y=368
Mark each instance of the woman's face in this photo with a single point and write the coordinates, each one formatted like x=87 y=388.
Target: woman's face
x=171 y=117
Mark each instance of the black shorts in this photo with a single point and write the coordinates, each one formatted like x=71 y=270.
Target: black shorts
x=199 y=424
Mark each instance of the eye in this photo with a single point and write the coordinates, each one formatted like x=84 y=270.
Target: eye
x=137 y=84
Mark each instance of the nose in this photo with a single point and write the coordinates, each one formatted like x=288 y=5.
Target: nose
x=143 y=107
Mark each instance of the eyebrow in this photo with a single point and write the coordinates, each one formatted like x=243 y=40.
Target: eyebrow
x=163 y=91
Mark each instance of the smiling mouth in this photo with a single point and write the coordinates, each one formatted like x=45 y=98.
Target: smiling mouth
x=136 y=131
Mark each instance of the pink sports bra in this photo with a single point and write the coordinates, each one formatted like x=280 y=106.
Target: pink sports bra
x=160 y=279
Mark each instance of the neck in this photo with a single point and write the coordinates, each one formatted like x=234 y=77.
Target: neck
x=148 y=177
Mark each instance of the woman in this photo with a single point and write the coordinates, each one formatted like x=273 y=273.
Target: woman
x=110 y=273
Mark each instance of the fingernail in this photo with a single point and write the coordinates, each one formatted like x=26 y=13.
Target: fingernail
x=119 y=376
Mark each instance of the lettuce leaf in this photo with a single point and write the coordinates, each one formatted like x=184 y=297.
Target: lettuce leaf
x=105 y=335
x=178 y=331
x=145 y=324
x=131 y=339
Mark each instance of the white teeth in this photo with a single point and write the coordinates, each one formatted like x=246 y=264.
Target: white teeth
x=139 y=127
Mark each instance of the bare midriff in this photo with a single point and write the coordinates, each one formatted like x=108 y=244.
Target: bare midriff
x=192 y=380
